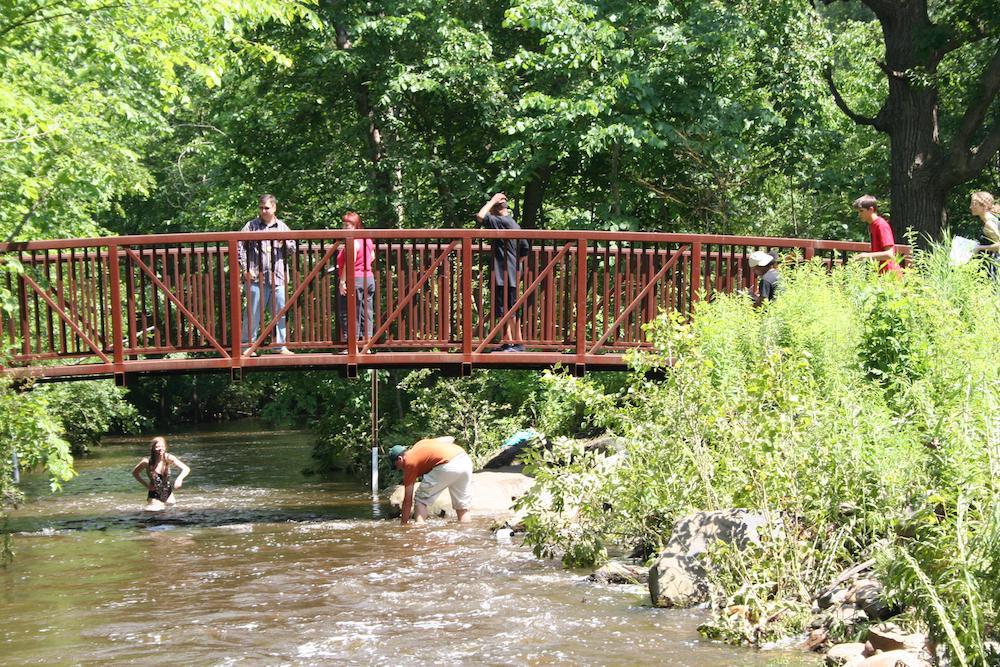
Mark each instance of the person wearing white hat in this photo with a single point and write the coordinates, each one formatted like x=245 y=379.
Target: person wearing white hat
x=763 y=270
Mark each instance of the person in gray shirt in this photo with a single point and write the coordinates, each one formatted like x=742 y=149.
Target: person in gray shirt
x=264 y=268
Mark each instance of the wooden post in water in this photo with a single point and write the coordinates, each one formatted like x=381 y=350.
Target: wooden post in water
x=374 y=433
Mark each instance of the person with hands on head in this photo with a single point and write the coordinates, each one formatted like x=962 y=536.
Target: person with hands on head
x=504 y=274
x=157 y=466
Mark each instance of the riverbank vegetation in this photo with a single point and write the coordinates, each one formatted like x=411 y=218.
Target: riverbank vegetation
x=859 y=411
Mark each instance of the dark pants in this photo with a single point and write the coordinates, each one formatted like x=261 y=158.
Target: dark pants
x=364 y=293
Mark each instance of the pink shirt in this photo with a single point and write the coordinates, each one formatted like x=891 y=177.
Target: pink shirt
x=364 y=256
x=882 y=239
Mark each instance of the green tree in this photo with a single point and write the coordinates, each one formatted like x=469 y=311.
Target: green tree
x=940 y=64
x=86 y=88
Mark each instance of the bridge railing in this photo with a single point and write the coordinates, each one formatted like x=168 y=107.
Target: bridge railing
x=179 y=301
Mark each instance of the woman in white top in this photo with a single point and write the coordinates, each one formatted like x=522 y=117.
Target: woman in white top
x=984 y=207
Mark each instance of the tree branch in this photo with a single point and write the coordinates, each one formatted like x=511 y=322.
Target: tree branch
x=25 y=18
x=856 y=117
x=972 y=120
x=985 y=151
x=29 y=214
x=28 y=20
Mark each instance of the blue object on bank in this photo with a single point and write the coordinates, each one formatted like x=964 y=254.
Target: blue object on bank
x=520 y=438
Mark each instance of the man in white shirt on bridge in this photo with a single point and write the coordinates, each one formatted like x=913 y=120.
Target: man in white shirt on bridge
x=263 y=264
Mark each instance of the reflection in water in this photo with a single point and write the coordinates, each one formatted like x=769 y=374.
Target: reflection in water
x=262 y=564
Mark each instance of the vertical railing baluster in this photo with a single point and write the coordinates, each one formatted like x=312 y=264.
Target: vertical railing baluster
x=352 y=306
x=467 y=300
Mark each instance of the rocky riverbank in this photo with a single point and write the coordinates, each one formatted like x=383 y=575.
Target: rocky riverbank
x=852 y=606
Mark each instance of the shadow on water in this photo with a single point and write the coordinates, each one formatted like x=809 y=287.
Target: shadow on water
x=206 y=518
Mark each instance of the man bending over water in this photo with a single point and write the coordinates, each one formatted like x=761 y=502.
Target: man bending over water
x=444 y=465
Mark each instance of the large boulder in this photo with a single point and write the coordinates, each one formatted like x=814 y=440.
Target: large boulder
x=678 y=577
x=492 y=493
x=845 y=654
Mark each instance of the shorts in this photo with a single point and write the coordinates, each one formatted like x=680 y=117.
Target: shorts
x=455 y=475
x=500 y=293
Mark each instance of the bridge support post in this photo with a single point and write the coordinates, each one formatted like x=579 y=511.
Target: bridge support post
x=579 y=370
x=374 y=434
x=119 y=379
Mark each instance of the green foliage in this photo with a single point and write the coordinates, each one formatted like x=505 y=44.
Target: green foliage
x=29 y=428
x=89 y=410
x=559 y=522
x=569 y=406
x=86 y=90
x=343 y=425
x=843 y=407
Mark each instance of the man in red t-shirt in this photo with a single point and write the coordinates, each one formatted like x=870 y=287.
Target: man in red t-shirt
x=443 y=465
x=882 y=242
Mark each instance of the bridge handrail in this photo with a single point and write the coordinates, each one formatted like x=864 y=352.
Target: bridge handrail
x=471 y=234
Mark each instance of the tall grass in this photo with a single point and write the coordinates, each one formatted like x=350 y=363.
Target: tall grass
x=861 y=409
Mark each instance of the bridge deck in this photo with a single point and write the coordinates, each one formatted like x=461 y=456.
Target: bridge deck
x=176 y=303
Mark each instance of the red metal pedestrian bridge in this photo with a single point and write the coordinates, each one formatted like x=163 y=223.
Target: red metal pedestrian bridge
x=175 y=303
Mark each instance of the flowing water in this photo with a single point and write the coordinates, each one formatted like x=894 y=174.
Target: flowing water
x=260 y=563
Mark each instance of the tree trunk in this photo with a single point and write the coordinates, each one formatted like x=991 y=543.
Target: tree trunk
x=923 y=169
x=378 y=175
x=534 y=195
x=911 y=117
x=383 y=179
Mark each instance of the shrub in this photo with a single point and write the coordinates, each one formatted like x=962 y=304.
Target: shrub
x=846 y=406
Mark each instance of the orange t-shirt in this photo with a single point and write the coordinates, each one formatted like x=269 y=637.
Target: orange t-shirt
x=426 y=455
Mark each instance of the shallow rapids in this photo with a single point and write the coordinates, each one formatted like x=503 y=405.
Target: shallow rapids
x=262 y=564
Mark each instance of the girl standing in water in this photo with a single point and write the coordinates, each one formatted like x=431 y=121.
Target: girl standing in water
x=157 y=467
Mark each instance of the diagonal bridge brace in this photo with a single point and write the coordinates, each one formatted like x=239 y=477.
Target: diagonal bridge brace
x=542 y=275
x=638 y=299
x=175 y=300
x=290 y=301
x=405 y=301
x=65 y=317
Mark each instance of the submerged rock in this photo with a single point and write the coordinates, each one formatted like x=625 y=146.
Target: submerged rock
x=678 y=577
x=617 y=572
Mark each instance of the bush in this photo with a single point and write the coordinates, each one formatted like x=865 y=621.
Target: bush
x=848 y=404
x=89 y=410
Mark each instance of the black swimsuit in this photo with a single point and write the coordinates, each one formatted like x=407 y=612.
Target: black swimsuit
x=162 y=485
